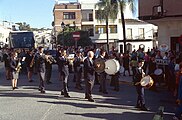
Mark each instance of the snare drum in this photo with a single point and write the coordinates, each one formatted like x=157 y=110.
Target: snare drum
x=146 y=82
x=112 y=66
x=158 y=71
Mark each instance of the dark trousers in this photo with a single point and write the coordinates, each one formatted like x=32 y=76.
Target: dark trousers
x=78 y=78
x=134 y=72
x=140 y=99
x=42 y=79
x=88 y=88
x=115 y=81
x=102 y=79
x=48 y=74
x=65 y=83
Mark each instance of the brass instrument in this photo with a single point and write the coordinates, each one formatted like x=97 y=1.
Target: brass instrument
x=101 y=66
x=50 y=59
x=70 y=58
x=18 y=67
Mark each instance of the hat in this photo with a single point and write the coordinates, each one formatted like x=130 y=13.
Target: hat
x=140 y=60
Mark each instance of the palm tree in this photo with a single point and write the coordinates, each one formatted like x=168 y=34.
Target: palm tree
x=122 y=5
x=107 y=9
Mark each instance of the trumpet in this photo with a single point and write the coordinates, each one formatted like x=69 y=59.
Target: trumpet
x=50 y=59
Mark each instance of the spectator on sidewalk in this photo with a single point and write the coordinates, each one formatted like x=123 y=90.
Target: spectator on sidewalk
x=179 y=98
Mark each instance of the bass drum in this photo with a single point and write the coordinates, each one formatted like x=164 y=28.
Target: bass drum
x=112 y=66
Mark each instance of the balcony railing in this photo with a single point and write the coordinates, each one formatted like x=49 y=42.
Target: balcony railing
x=87 y=20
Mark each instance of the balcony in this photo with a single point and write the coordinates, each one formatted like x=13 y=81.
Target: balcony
x=159 y=9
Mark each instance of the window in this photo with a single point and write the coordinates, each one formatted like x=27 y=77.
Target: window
x=100 y=29
x=129 y=33
x=90 y=17
x=141 y=33
x=113 y=28
x=69 y=15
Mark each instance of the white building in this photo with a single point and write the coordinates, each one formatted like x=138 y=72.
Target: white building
x=139 y=33
x=5 y=28
x=43 y=37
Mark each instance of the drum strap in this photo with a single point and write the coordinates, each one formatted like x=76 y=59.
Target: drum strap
x=138 y=75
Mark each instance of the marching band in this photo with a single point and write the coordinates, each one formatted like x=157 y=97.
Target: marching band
x=88 y=65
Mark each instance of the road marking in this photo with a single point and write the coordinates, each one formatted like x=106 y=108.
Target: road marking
x=47 y=112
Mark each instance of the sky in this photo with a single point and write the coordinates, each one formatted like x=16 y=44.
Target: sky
x=37 y=13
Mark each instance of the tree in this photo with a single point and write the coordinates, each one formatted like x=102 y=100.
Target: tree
x=24 y=26
x=122 y=5
x=67 y=37
x=107 y=9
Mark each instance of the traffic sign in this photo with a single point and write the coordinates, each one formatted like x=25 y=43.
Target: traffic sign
x=76 y=35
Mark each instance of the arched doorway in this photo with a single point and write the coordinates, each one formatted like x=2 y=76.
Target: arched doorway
x=129 y=47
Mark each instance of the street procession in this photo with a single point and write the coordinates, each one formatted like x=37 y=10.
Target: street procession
x=98 y=60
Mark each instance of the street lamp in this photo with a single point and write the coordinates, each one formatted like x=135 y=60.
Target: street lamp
x=63 y=25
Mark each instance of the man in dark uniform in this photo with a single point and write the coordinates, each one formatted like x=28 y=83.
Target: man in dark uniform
x=102 y=75
x=41 y=68
x=6 y=59
x=139 y=74
x=78 y=69
x=30 y=59
x=63 y=67
x=115 y=77
x=48 y=66
x=89 y=75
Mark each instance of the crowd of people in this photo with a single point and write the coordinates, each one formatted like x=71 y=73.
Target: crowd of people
x=163 y=67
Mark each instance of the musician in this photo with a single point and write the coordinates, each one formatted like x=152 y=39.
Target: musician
x=63 y=67
x=126 y=60
x=48 y=67
x=133 y=64
x=14 y=69
x=102 y=75
x=139 y=74
x=115 y=77
x=6 y=59
x=78 y=69
x=89 y=75
x=30 y=59
x=41 y=68
x=152 y=66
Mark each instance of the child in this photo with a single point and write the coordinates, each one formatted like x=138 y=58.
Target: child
x=139 y=74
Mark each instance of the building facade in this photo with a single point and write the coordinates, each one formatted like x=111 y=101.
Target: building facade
x=139 y=33
x=5 y=28
x=167 y=15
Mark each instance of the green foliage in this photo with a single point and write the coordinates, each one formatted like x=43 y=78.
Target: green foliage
x=69 y=41
x=24 y=26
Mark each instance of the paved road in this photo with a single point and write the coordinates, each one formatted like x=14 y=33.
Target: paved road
x=27 y=103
